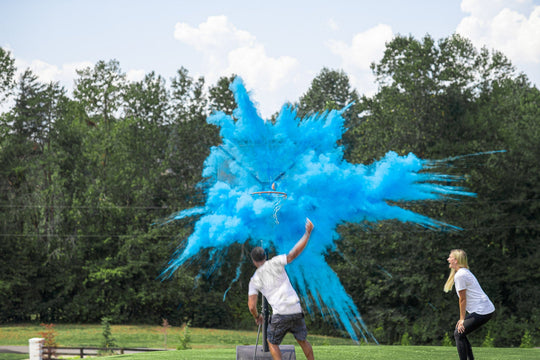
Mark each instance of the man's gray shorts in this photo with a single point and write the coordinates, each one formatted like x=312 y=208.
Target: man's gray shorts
x=281 y=324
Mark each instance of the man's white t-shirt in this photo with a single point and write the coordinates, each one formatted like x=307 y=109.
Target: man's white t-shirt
x=477 y=300
x=272 y=281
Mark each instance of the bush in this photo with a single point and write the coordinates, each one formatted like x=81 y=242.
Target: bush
x=526 y=340
x=185 y=339
x=488 y=340
x=49 y=343
x=446 y=340
x=108 y=342
x=406 y=339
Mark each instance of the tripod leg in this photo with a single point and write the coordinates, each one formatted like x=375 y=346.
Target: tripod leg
x=266 y=315
x=257 y=343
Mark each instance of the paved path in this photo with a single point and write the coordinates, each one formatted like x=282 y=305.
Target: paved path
x=14 y=349
x=24 y=350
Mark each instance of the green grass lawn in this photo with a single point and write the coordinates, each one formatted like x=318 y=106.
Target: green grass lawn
x=13 y=356
x=221 y=344
x=147 y=336
x=333 y=352
x=350 y=352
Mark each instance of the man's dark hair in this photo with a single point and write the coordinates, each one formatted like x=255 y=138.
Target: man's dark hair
x=257 y=254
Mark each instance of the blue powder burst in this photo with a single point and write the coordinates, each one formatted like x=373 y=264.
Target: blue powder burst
x=302 y=158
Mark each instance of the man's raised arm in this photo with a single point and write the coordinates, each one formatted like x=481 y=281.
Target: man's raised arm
x=301 y=244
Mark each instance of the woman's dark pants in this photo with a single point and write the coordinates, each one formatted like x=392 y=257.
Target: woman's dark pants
x=472 y=322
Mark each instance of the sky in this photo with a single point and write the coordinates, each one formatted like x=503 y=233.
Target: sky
x=276 y=46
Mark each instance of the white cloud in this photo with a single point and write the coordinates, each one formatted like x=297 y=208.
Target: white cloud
x=333 y=25
x=365 y=47
x=482 y=9
x=257 y=68
x=66 y=73
x=356 y=57
x=45 y=72
x=135 y=75
x=270 y=77
x=216 y=34
x=228 y=50
x=512 y=27
x=51 y=73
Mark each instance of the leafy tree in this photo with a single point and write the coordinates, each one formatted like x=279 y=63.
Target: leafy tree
x=221 y=97
x=108 y=342
x=100 y=90
x=440 y=99
x=49 y=342
x=507 y=207
x=187 y=96
x=185 y=339
x=331 y=90
x=426 y=90
x=87 y=182
x=7 y=74
x=190 y=138
x=30 y=194
x=127 y=161
x=147 y=100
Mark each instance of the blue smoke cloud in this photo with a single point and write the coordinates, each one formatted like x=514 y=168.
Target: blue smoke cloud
x=302 y=158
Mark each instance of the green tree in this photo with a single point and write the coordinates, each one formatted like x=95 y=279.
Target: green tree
x=120 y=201
x=221 y=97
x=100 y=90
x=507 y=209
x=440 y=99
x=7 y=74
x=108 y=342
x=426 y=91
x=30 y=194
x=147 y=100
x=190 y=138
x=331 y=90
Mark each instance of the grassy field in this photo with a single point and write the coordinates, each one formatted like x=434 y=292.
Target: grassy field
x=350 y=352
x=146 y=336
x=221 y=344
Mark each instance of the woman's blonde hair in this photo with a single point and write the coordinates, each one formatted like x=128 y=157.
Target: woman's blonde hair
x=461 y=257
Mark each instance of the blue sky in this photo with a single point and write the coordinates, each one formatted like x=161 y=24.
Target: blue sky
x=276 y=46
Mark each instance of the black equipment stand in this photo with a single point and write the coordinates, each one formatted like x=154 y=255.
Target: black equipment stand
x=266 y=315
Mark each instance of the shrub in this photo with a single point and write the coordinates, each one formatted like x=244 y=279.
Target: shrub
x=526 y=340
x=488 y=340
x=108 y=342
x=446 y=340
x=164 y=327
x=49 y=343
x=185 y=339
x=405 y=339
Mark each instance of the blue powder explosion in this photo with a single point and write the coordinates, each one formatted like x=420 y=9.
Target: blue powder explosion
x=302 y=158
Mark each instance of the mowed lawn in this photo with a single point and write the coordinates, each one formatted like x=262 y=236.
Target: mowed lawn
x=147 y=336
x=221 y=344
x=351 y=352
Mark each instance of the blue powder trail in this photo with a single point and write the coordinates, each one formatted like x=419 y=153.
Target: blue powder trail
x=303 y=159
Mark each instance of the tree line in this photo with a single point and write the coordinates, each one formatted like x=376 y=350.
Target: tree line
x=88 y=180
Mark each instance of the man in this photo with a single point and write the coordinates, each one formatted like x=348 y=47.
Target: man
x=272 y=281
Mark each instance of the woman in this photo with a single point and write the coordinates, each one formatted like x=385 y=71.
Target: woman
x=472 y=299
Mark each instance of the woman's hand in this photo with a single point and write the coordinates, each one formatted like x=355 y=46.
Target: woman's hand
x=460 y=327
x=309 y=226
